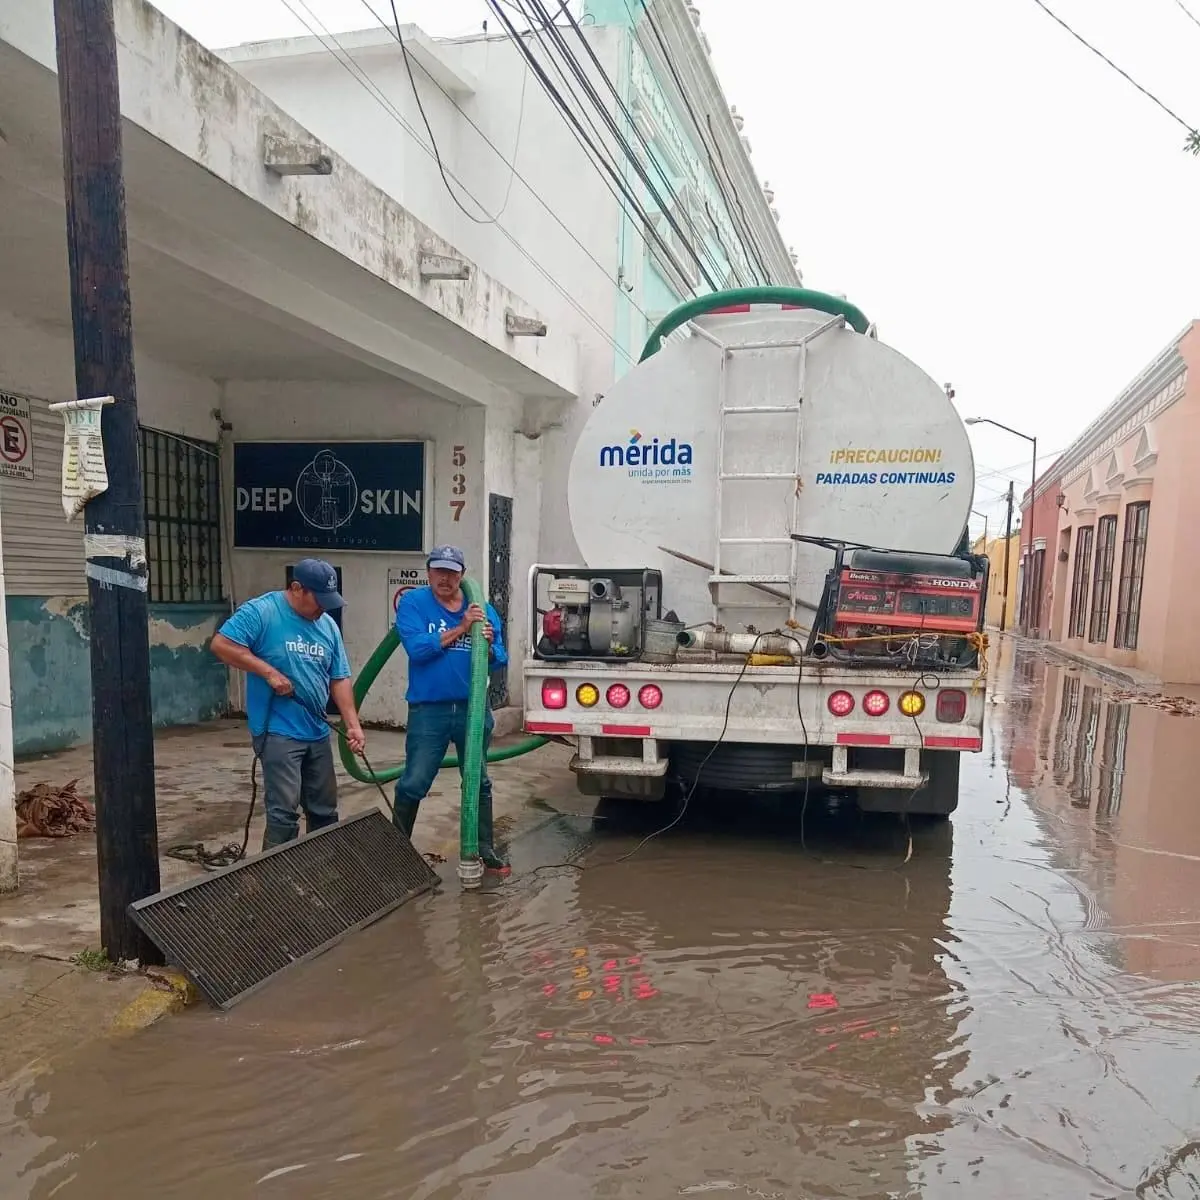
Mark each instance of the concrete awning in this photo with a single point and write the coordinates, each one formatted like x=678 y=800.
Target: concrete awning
x=239 y=272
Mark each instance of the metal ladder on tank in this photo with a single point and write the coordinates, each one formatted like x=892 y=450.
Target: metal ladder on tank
x=720 y=578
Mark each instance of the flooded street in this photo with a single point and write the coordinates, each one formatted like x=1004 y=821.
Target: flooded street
x=747 y=1006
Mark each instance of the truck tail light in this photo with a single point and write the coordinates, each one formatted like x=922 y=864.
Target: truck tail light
x=875 y=704
x=650 y=696
x=617 y=696
x=912 y=704
x=951 y=706
x=588 y=695
x=841 y=704
x=554 y=693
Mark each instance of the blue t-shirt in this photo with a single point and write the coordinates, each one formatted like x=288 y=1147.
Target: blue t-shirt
x=437 y=674
x=310 y=653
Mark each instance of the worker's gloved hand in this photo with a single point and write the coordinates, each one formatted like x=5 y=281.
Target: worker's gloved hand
x=279 y=683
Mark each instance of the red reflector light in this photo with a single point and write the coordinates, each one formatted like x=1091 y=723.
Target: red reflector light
x=554 y=693
x=650 y=696
x=841 y=704
x=951 y=706
x=875 y=704
x=617 y=695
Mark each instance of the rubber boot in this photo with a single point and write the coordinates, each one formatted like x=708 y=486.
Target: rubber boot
x=277 y=835
x=493 y=861
x=404 y=816
x=312 y=824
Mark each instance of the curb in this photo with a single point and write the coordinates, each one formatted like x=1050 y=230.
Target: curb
x=1097 y=667
x=165 y=992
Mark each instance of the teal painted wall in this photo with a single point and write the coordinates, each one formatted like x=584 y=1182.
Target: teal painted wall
x=51 y=680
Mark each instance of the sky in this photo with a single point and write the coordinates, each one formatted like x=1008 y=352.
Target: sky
x=1010 y=211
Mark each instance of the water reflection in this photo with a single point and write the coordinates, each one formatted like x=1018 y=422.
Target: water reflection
x=750 y=1004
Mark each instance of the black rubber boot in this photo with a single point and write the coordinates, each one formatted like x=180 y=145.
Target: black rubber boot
x=277 y=835
x=312 y=824
x=404 y=816
x=493 y=861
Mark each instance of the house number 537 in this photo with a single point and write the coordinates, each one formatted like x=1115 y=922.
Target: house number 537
x=458 y=485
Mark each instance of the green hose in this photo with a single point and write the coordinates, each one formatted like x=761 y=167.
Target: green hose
x=801 y=297
x=354 y=765
x=468 y=809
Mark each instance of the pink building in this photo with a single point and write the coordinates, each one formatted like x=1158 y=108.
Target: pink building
x=1113 y=517
x=1039 y=586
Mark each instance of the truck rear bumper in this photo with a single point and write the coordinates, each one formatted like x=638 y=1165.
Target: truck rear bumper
x=840 y=774
x=651 y=764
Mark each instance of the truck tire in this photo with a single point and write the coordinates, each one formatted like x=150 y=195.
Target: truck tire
x=740 y=766
x=937 y=799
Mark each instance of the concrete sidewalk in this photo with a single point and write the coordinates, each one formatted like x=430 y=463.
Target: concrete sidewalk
x=49 y=1005
x=1125 y=677
x=203 y=787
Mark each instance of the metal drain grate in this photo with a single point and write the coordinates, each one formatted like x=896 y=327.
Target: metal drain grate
x=233 y=930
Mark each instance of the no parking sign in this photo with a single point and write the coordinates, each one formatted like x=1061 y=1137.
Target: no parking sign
x=400 y=580
x=16 y=437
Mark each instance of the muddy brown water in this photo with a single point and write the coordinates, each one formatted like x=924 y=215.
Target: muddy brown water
x=738 y=1009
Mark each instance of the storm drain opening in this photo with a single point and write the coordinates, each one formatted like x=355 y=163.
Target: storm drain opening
x=232 y=931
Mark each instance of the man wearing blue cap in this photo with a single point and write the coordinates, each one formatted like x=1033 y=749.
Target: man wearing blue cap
x=295 y=660
x=434 y=624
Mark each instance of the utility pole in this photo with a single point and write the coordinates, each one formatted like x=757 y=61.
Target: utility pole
x=1007 y=552
x=114 y=532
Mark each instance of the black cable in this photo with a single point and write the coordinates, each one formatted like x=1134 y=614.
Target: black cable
x=1193 y=133
x=437 y=156
x=614 y=129
x=597 y=152
x=662 y=44
x=213 y=860
x=594 y=150
x=1190 y=15
x=687 y=799
x=347 y=63
x=199 y=855
x=515 y=172
x=553 y=28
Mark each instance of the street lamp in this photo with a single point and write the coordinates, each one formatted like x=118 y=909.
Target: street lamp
x=1029 y=611
x=977 y=513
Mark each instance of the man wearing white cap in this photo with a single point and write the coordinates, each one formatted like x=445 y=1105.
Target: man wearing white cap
x=434 y=624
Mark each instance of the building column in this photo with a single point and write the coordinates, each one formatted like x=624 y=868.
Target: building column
x=8 y=790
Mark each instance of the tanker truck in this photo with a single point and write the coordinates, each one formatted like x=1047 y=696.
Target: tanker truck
x=776 y=594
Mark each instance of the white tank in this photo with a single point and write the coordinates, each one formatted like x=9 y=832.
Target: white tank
x=882 y=458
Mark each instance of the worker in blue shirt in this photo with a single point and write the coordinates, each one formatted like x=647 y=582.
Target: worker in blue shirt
x=292 y=652
x=434 y=625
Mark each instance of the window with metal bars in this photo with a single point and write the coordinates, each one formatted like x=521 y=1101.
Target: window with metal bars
x=1102 y=577
x=1133 y=566
x=1080 y=579
x=181 y=485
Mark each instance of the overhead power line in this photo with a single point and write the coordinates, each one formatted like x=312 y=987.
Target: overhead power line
x=641 y=137
x=345 y=60
x=1190 y=15
x=597 y=149
x=515 y=173
x=594 y=151
x=746 y=234
x=1193 y=138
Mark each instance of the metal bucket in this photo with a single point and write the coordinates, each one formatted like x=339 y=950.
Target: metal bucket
x=661 y=642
